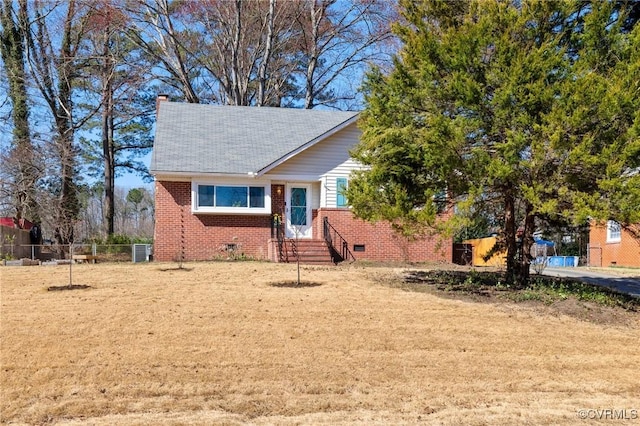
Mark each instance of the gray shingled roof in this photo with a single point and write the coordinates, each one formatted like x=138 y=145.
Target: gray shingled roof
x=195 y=138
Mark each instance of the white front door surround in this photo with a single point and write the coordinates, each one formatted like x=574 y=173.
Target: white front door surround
x=298 y=210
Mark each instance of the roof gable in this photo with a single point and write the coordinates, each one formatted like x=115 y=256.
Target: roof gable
x=202 y=139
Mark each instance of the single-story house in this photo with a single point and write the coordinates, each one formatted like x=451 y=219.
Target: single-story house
x=612 y=245
x=265 y=183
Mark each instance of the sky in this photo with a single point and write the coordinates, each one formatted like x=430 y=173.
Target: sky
x=130 y=180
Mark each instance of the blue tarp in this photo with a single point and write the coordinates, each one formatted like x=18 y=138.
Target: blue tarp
x=563 y=261
x=542 y=242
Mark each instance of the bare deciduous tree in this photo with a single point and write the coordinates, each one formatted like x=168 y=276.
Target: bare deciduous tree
x=264 y=52
x=153 y=29
x=338 y=38
x=54 y=68
x=238 y=44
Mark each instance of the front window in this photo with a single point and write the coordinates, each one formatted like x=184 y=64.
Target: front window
x=614 y=232
x=256 y=196
x=205 y=195
x=231 y=198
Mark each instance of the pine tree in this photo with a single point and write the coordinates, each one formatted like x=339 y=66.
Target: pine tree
x=488 y=103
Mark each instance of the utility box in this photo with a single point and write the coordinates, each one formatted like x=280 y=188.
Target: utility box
x=140 y=252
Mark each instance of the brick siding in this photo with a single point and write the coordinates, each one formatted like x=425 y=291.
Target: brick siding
x=626 y=252
x=277 y=200
x=181 y=234
x=380 y=242
x=178 y=232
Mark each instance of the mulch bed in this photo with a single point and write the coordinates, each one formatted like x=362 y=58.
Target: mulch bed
x=294 y=284
x=68 y=287
x=490 y=287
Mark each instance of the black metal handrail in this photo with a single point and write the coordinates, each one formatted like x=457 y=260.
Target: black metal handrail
x=338 y=246
x=277 y=231
x=294 y=250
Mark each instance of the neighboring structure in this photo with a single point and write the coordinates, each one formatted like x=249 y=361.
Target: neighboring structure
x=481 y=247
x=14 y=238
x=612 y=245
x=264 y=183
x=543 y=252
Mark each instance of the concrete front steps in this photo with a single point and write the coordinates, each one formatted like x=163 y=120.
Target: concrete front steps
x=311 y=252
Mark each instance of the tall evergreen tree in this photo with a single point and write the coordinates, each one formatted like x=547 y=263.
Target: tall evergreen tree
x=502 y=103
x=114 y=84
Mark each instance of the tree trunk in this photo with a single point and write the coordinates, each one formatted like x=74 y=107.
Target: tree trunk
x=266 y=56
x=69 y=206
x=525 y=246
x=107 y=134
x=235 y=65
x=108 y=154
x=510 y=231
x=12 y=47
x=317 y=14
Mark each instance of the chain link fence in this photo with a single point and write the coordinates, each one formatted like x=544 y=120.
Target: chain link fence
x=79 y=252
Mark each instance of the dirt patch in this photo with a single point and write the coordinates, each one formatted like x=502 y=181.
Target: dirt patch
x=68 y=287
x=589 y=311
x=176 y=268
x=295 y=284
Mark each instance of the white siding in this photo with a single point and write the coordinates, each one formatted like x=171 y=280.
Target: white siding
x=315 y=195
x=325 y=161
x=331 y=187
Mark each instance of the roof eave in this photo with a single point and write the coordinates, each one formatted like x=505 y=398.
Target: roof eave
x=164 y=174
x=307 y=145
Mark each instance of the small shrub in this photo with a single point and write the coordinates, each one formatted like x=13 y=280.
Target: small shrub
x=118 y=239
x=544 y=289
x=527 y=295
x=6 y=256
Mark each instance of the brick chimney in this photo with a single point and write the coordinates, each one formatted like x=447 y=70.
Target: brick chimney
x=160 y=98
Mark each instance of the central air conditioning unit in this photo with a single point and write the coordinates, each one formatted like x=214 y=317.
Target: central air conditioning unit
x=140 y=252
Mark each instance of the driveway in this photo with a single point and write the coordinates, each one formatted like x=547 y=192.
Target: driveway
x=622 y=283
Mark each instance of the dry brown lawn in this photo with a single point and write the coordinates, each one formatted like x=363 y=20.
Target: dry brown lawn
x=218 y=343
